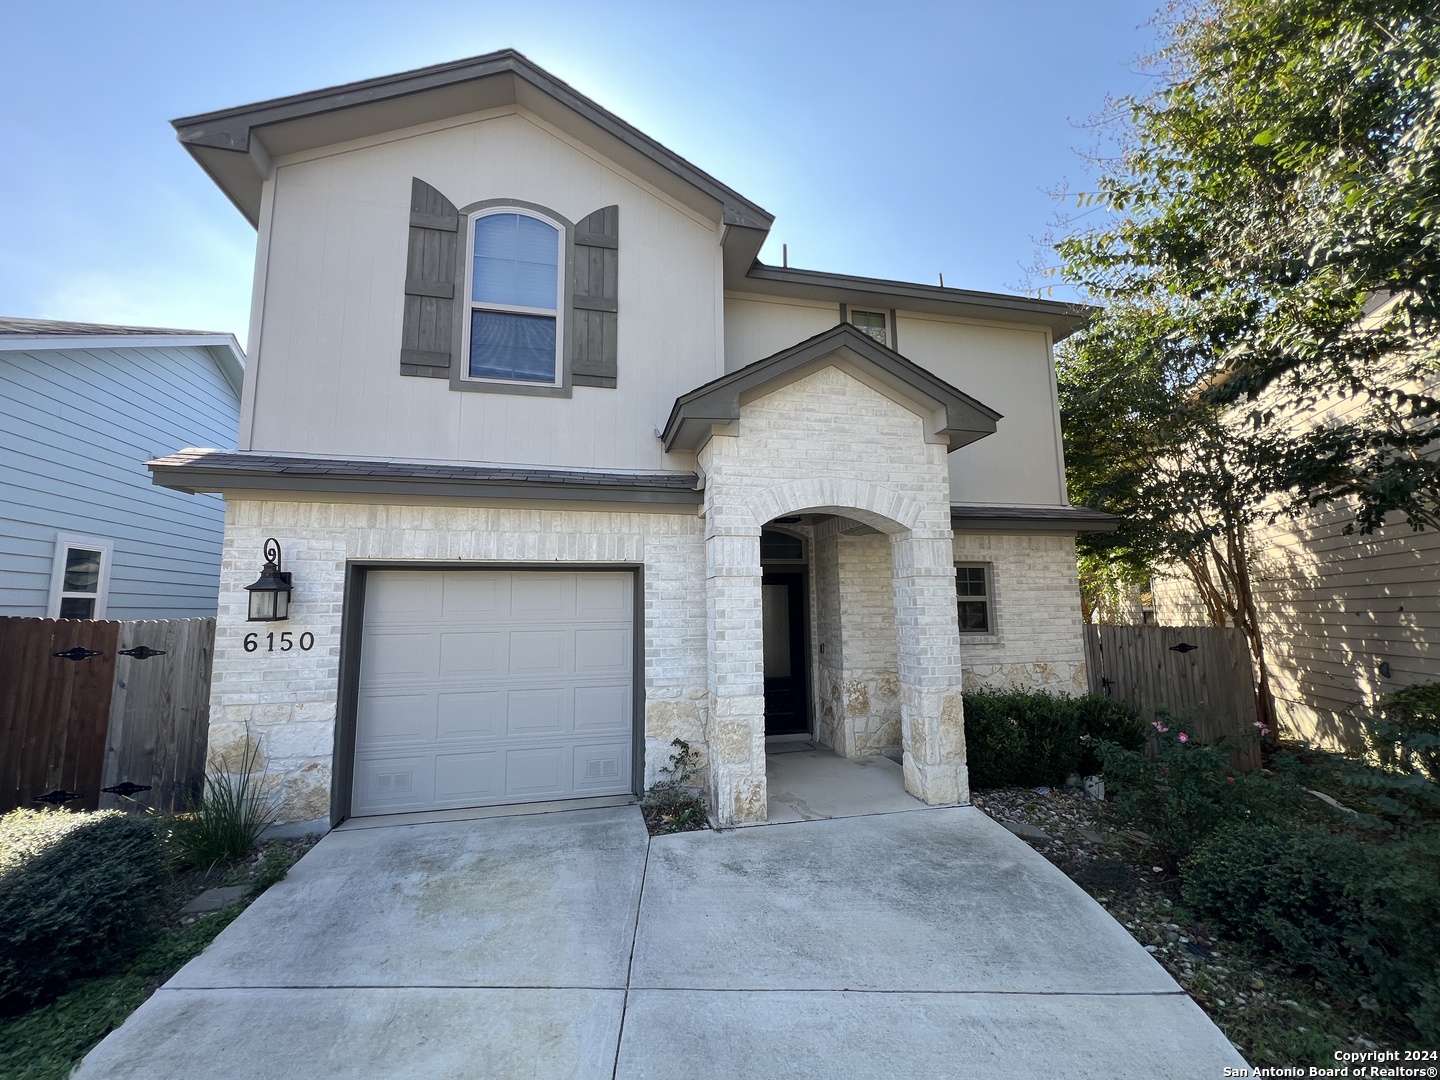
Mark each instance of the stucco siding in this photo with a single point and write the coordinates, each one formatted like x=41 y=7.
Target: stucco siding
x=326 y=363
x=76 y=426
x=1010 y=370
x=759 y=327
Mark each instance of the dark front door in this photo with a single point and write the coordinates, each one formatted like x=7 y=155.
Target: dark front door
x=787 y=704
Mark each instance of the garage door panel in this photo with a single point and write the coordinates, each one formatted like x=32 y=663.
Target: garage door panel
x=537 y=772
x=533 y=712
x=602 y=596
x=470 y=597
x=388 y=718
x=539 y=596
x=474 y=654
x=392 y=785
x=601 y=767
x=602 y=652
x=539 y=652
x=469 y=715
x=400 y=598
x=488 y=687
x=602 y=709
x=391 y=654
x=468 y=779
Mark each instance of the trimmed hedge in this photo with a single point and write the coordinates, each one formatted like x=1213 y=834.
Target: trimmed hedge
x=82 y=898
x=1028 y=738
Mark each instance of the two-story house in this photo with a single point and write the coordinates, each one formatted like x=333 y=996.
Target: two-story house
x=561 y=472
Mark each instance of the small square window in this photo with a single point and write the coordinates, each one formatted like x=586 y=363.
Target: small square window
x=872 y=323
x=80 y=578
x=972 y=597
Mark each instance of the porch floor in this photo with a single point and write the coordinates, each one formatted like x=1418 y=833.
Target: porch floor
x=814 y=784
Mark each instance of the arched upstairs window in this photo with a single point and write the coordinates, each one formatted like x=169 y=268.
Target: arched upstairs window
x=508 y=297
x=515 y=329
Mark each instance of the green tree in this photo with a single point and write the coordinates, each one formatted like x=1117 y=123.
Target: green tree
x=1267 y=250
x=1276 y=203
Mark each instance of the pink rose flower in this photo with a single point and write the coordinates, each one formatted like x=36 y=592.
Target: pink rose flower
x=1183 y=737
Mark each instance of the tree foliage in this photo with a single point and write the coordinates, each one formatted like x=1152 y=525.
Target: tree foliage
x=1270 y=247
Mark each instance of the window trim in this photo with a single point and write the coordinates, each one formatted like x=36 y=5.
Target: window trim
x=847 y=311
x=63 y=544
x=460 y=378
x=991 y=632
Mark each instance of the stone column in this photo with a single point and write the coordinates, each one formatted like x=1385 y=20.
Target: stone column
x=932 y=718
x=736 y=676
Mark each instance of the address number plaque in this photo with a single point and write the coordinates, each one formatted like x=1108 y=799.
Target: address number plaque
x=281 y=642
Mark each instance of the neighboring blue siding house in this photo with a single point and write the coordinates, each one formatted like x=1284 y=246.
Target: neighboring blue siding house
x=83 y=531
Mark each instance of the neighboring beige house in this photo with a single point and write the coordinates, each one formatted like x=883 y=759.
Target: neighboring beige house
x=1346 y=619
x=562 y=472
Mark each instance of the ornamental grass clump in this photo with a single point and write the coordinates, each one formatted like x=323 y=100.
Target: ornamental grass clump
x=234 y=811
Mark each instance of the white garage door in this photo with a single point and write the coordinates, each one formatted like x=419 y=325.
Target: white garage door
x=484 y=687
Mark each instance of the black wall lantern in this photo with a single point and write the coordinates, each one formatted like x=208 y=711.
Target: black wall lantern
x=270 y=595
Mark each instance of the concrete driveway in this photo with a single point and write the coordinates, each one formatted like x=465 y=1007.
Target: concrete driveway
x=924 y=944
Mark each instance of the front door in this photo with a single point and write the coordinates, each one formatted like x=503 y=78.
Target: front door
x=787 y=704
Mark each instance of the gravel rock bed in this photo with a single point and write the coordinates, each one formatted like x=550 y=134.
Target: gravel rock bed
x=1273 y=1016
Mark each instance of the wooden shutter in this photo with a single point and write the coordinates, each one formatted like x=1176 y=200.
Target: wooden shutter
x=433 y=284
x=593 y=306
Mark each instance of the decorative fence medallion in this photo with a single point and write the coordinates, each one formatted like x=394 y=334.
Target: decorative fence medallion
x=78 y=653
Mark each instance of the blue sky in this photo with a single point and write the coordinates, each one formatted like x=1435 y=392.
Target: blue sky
x=894 y=140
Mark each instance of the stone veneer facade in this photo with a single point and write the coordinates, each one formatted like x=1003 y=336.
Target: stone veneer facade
x=883 y=602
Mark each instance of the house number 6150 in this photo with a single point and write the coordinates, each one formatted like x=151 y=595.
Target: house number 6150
x=287 y=641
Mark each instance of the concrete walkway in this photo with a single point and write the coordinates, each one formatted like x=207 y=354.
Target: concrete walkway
x=918 y=944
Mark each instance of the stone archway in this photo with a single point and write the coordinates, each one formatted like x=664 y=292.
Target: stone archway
x=926 y=635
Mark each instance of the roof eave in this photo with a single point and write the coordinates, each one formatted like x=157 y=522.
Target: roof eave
x=1061 y=318
x=223 y=141
x=697 y=413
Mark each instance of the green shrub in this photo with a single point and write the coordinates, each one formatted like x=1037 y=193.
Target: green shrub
x=1364 y=913
x=1028 y=738
x=77 y=905
x=1405 y=737
x=1187 y=792
x=227 y=824
x=24 y=833
x=671 y=805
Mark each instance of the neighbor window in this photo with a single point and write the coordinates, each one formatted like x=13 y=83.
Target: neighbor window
x=972 y=595
x=513 y=281
x=870 y=322
x=79 y=579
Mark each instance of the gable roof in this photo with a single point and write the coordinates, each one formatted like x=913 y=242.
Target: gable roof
x=235 y=145
x=30 y=334
x=718 y=401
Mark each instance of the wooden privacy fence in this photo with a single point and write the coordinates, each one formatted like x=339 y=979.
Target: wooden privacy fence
x=1200 y=675
x=86 y=705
